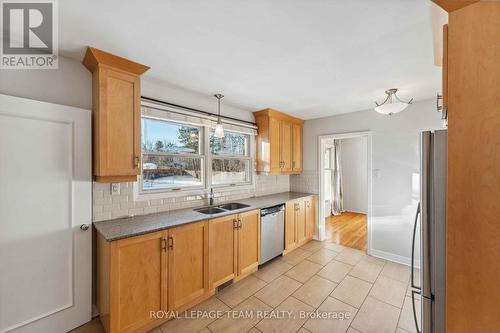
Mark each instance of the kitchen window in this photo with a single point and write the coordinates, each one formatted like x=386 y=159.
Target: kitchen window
x=172 y=156
x=181 y=156
x=230 y=155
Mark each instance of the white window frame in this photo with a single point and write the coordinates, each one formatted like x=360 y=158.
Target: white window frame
x=248 y=158
x=206 y=155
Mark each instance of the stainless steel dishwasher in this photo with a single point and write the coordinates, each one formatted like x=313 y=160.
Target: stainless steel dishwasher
x=272 y=232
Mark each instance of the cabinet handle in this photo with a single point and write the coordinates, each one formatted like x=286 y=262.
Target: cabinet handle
x=137 y=162
x=438 y=106
x=235 y=224
x=171 y=242
x=239 y=223
x=164 y=244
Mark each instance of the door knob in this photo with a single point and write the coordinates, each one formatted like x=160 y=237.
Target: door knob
x=84 y=227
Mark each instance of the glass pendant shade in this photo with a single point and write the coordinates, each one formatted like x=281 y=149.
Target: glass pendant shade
x=392 y=104
x=219 y=130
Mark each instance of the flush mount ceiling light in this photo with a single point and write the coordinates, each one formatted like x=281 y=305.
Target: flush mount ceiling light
x=392 y=104
x=219 y=129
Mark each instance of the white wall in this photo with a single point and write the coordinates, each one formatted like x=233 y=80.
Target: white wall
x=395 y=168
x=354 y=174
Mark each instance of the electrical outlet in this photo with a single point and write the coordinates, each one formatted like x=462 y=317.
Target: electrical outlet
x=115 y=188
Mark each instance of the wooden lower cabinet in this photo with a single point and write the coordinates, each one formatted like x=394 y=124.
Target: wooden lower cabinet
x=187 y=264
x=133 y=275
x=234 y=247
x=248 y=243
x=300 y=222
x=131 y=282
x=223 y=249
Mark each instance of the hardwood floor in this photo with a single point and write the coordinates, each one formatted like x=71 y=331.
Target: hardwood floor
x=348 y=229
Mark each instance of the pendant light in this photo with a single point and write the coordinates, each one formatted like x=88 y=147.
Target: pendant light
x=392 y=104
x=219 y=129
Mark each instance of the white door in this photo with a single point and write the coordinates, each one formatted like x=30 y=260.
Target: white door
x=45 y=196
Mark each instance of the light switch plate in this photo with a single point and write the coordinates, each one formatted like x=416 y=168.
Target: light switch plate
x=115 y=188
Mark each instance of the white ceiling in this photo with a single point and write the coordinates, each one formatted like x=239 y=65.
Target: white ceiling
x=310 y=58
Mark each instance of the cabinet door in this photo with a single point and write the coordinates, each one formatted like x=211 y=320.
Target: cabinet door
x=248 y=242
x=310 y=217
x=274 y=145
x=138 y=281
x=222 y=242
x=300 y=221
x=296 y=148
x=286 y=147
x=117 y=125
x=188 y=263
x=290 y=228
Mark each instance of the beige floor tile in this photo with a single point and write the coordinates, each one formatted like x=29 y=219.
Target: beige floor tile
x=376 y=317
x=272 y=270
x=93 y=326
x=254 y=330
x=374 y=260
x=400 y=330
x=396 y=271
x=335 y=271
x=367 y=271
x=315 y=291
x=190 y=323
x=322 y=256
x=205 y=330
x=406 y=320
x=278 y=290
x=389 y=290
x=352 y=330
x=296 y=256
x=304 y=271
x=156 y=330
x=332 y=325
x=352 y=291
x=350 y=256
x=333 y=246
x=313 y=246
x=238 y=292
x=235 y=322
x=292 y=321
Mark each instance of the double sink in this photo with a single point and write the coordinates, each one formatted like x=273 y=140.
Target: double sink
x=221 y=208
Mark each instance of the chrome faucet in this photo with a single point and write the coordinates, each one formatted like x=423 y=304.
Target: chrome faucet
x=211 y=197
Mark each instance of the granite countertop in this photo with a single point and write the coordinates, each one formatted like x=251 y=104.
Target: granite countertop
x=132 y=226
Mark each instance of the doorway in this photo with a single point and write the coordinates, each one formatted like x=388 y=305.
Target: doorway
x=345 y=189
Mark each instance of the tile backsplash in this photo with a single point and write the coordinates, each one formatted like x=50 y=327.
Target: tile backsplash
x=108 y=206
x=306 y=182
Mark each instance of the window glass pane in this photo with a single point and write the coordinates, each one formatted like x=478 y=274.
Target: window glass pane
x=166 y=137
x=230 y=171
x=232 y=144
x=163 y=172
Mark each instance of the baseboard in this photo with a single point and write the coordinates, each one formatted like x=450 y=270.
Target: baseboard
x=394 y=257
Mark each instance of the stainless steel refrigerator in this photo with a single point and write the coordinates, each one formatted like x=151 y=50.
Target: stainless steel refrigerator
x=430 y=230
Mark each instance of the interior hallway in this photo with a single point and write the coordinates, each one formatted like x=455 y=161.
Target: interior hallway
x=348 y=229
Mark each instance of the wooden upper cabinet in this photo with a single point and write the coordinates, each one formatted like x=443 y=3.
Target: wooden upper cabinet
x=187 y=264
x=296 y=148
x=116 y=99
x=279 y=143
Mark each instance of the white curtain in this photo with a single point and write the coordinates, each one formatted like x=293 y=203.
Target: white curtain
x=337 y=200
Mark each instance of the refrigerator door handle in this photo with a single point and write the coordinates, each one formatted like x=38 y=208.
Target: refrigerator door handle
x=413 y=285
x=413 y=292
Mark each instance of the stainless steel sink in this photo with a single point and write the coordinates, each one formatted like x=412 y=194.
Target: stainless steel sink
x=209 y=210
x=233 y=206
x=221 y=208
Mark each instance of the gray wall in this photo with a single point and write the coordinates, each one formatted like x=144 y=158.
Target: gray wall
x=354 y=174
x=395 y=169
